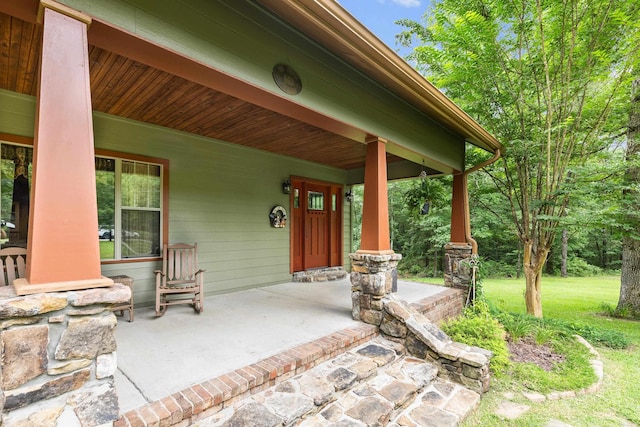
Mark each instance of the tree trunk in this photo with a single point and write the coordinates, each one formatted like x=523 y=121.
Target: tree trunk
x=630 y=272
x=565 y=245
x=630 y=275
x=435 y=262
x=533 y=263
x=519 y=262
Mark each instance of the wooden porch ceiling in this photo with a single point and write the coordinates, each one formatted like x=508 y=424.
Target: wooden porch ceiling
x=129 y=89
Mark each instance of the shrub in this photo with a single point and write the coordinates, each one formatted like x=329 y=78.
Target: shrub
x=577 y=267
x=478 y=328
x=490 y=268
x=625 y=312
x=596 y=336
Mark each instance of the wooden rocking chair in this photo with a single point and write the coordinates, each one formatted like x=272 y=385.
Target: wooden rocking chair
x=13 y=265
x=180 y=281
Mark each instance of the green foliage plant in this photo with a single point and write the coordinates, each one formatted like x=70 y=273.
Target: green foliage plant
x=624 y=312
x=570 y=305
x=550 y=81
x=543 y=335
x=517 y=327
x=476 y=327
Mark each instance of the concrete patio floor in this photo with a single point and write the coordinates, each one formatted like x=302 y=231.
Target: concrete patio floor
x=161 y=356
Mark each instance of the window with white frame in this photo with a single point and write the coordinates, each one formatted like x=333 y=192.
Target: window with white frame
x=130 y=217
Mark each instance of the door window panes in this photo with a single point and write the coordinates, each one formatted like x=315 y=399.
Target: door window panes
x=315 y=201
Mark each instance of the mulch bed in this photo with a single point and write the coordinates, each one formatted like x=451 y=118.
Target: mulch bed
x=526 y=350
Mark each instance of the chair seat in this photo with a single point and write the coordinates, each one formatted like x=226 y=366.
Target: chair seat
x=180 y=284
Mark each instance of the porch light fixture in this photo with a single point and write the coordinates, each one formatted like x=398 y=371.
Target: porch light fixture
x=286 y=187
x=348 y=196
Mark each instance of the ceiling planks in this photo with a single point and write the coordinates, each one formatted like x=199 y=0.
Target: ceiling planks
x=129 y=89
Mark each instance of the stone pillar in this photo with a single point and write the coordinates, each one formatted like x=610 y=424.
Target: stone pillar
x=373 y=277
x=58 y=357
x=457 y=274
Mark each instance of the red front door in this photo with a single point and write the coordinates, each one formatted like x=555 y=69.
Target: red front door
x=316 y=225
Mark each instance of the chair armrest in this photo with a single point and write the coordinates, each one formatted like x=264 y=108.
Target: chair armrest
x=200 y=271
x=158 y=272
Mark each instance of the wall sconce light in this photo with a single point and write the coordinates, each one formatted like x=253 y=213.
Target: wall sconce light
x=349 y=196
x=286 y=187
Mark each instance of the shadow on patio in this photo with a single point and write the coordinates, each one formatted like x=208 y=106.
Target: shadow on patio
x=158 y=357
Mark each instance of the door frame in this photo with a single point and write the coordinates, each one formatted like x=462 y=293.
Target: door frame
x=335 y=240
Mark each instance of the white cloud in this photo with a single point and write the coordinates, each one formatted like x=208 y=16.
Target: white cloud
x=407 y=3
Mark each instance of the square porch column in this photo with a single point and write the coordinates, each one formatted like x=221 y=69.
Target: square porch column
x=63 y=249
x=374 y=265
x=457 y=272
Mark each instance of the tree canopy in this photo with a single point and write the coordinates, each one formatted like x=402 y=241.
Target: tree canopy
x=551 y=80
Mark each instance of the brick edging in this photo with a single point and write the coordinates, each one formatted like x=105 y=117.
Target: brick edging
x=444 y=305
x=207 y=398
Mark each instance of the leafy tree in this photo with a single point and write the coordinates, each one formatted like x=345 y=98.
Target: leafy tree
x=419 y=233
x=544 y=76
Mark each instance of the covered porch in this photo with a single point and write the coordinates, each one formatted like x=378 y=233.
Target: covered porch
x=286 y=328
x=192 y=115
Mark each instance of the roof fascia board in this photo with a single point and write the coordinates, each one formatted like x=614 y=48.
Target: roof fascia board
x=331 y=25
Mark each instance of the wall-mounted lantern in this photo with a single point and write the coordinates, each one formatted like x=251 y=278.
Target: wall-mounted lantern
x=286 y=187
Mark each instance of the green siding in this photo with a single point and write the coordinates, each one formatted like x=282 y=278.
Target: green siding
x=220 y=196
x=241 y=39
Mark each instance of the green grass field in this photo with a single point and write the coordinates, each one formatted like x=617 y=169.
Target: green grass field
x=617 y=403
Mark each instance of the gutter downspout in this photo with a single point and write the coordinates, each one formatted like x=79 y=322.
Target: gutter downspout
x=465 y=196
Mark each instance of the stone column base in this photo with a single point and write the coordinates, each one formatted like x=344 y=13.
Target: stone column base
x=372 y=278
x=457 y=274
x=59 y=357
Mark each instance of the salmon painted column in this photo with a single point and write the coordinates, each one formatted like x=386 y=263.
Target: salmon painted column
x=63 y=250
x=375 y=209
x=457 y=273
x=374 y=266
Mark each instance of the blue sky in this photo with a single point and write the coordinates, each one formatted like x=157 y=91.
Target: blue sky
x=380 y=16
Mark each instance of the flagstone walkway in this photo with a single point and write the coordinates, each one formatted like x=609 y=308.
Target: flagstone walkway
x=374 y=384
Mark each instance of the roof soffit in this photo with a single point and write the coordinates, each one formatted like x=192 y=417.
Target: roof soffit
x=326 y=22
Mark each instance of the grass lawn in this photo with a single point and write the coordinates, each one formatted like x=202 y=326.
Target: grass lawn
x=617 y=403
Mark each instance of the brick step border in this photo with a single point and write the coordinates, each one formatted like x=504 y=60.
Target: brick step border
x=375 y=384
x=205 y=399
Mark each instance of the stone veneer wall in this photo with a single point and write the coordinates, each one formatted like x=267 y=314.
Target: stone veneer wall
x=58 y=357
x=372 y=278
x=461 y=363
x=457 y=274
x=373 y=287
